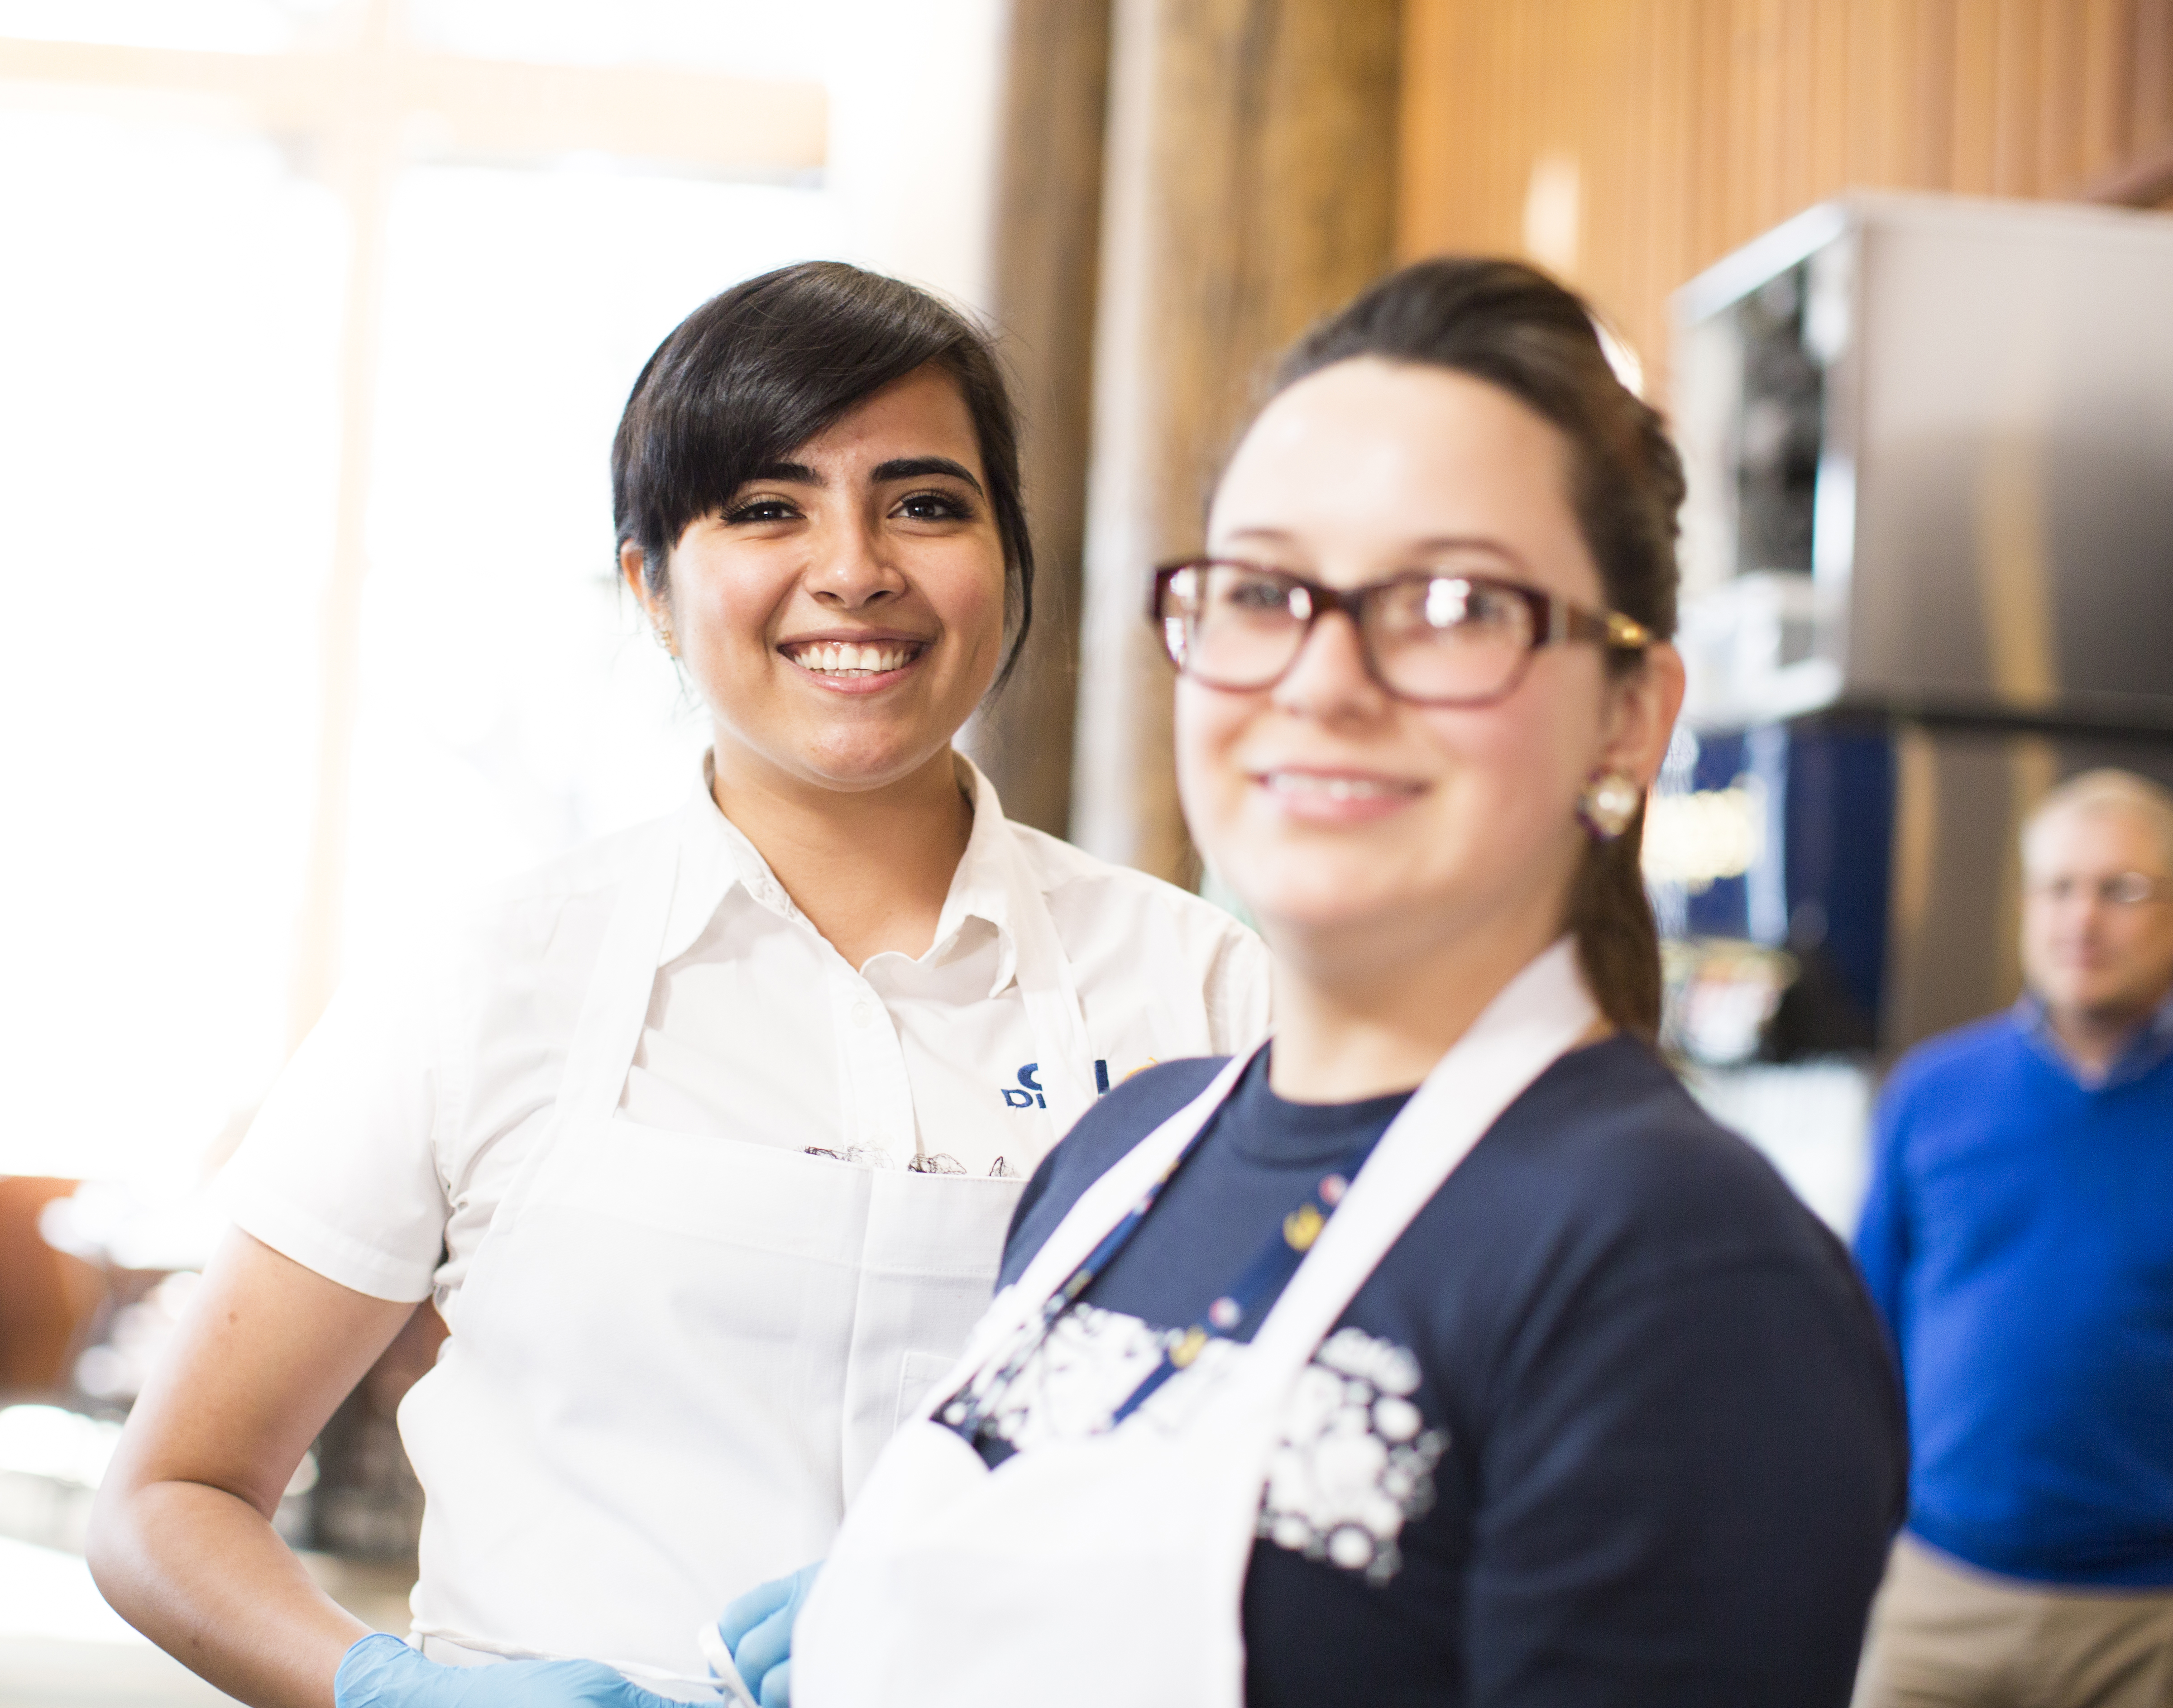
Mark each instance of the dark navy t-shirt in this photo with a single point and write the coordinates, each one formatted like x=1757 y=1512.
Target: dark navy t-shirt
x=1612 y=1424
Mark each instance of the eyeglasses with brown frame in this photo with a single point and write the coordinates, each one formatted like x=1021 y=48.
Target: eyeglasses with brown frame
x=1431 y=637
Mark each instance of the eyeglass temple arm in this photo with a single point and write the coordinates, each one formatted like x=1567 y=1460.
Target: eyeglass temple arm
x=1570 y=622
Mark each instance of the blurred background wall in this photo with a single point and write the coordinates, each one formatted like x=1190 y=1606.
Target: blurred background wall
x=1624 y=144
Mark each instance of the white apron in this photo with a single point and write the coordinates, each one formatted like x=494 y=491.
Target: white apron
x=1111 y=1568
x=676 y=1357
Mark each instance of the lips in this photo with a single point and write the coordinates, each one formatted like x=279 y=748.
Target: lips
x=1333 y=798
x=1335 y=785
x=853 y=659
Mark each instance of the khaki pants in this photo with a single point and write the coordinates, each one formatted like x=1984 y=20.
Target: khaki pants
x=1944 y=1636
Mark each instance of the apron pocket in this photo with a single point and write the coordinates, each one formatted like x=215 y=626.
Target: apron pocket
x=917 y=1380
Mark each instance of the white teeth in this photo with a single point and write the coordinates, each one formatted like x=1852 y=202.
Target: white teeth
x=850 y=658
x=1332 y=788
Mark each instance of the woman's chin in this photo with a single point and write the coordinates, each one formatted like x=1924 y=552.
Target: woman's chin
x=862 y=773
x=1294 y=914
x=848 y=761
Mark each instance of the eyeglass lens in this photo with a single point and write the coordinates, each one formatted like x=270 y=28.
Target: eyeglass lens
x=2127 y=890
x=1442 y=639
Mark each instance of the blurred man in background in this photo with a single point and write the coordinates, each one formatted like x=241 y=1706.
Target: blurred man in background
x=2019 y=1240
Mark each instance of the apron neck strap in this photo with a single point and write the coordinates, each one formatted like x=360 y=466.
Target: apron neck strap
x=1046 y=986
x=616 y=1005
x=1113 y=1197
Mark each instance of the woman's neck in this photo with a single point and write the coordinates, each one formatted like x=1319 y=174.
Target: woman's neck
x=1350 y=1024
x=869 y=869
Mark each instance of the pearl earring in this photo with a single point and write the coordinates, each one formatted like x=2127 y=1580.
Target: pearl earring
x=664 y=639
x=1610 y=801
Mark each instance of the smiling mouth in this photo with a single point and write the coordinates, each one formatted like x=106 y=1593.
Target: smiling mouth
x=849 y=659
x=1316 y=785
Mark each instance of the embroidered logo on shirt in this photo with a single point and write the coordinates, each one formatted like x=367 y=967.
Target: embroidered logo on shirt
x=1356 y=1461
x=1027 y=1094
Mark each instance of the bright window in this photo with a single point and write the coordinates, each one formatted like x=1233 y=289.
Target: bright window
x=169 y=330
x=307 y=605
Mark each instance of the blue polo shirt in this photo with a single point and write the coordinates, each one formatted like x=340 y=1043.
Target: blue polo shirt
x=2018 y=1240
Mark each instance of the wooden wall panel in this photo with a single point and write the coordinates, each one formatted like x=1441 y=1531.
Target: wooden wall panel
x=1694 y=124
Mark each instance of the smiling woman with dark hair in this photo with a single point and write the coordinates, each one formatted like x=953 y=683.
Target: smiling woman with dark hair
x=703 y=1140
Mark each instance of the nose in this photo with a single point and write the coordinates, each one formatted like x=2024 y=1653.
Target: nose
x=1328 y=681
x=852 y=570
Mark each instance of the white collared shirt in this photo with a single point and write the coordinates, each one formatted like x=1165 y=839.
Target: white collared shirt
x=390 y=1139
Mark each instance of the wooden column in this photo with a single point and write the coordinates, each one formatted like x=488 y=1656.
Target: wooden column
x=1249 y=187
x=1042 y=277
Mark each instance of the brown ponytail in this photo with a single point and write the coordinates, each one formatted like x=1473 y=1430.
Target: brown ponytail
x=1618 y=941
x=1511 y=325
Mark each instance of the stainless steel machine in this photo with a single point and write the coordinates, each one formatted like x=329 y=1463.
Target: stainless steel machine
x=1928 y=572
x=1930 y=445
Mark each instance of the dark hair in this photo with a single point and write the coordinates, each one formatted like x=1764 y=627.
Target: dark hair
x=764 y=367
x=1512 y=327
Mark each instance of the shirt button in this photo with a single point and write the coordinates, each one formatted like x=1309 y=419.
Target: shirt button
x=864 y=1012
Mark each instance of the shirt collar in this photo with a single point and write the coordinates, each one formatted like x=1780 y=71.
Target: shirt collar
x=2153 y=1043
x=715 y=857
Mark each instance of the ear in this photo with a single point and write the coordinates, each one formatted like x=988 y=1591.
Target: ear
x=1641 y=716
x=633 y=568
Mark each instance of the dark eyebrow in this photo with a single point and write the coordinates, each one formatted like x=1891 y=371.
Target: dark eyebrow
x=794 y=473
x=1463 y=542
x=1418 y=548
x=906 y=468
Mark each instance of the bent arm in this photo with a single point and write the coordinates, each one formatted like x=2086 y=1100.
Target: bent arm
x=181 y=1542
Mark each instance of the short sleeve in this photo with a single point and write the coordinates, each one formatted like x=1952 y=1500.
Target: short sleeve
x=339 y=1170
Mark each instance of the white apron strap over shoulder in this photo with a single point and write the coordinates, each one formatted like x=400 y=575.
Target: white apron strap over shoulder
x=614 y=1007
x=1111 y=1568
x=1051 y=996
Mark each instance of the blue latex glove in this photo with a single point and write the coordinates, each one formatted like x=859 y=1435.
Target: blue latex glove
x=382 y=1672
x=758 y=1628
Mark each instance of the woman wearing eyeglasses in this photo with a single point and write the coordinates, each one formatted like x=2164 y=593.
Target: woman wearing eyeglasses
x=1442 y=1351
